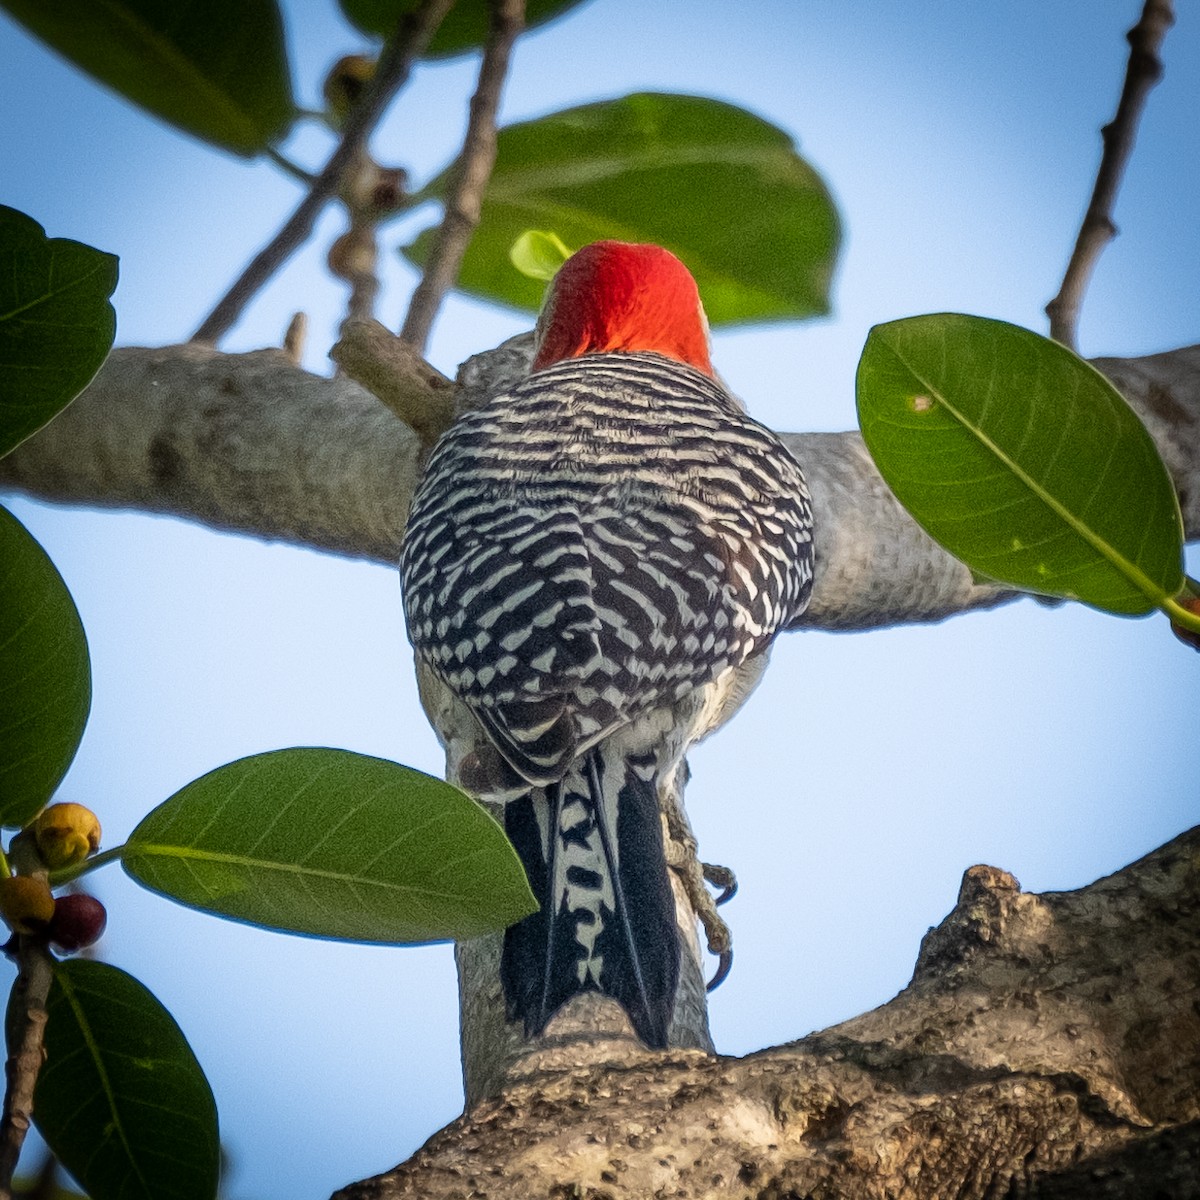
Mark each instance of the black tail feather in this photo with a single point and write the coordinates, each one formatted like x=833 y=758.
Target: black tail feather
x=608 y=923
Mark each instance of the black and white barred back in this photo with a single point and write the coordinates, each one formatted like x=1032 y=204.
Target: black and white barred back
x=587 y=554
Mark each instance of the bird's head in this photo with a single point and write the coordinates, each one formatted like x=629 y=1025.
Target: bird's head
x=622 y=296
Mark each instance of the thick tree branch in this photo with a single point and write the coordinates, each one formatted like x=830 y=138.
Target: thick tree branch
x=1047 y=1046
x=405 y=47
x=253 y=444
x=471 y=175
x=1098 y=229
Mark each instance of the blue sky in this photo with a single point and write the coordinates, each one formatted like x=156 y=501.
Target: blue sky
x=960 y=142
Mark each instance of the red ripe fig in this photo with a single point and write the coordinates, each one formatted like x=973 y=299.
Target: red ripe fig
x=78 y=921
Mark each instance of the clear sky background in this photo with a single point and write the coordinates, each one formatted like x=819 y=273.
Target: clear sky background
x=960 y=142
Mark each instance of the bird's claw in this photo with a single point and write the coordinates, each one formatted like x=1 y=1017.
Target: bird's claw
x=722 y=878
x=724 y=966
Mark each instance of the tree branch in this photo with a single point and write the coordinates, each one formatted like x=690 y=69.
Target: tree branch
x=1047 y=1046
x=251 y=443
x=402 y=50
x=32 y=987
x=394 y=371
x=1098 y=229
x=471 y=175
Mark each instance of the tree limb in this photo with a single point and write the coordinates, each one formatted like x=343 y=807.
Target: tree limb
x=1098 y=229
x=1047 y=1047
x=26 y=1053
x=253 y=444
x=470 y=176
x=404 y=48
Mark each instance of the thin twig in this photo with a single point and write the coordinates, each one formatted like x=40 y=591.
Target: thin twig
x=45 y=1181
x=406 y=45
x=25 y=1058
x=1098 y=229
x=471 y=175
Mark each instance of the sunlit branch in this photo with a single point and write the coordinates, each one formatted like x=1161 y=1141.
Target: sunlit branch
x=24 y=1061
x=1098 y=229
x=395 y=63
x=471 y=175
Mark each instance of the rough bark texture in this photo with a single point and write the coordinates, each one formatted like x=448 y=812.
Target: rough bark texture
x=251 y=443
x=1047 y=1047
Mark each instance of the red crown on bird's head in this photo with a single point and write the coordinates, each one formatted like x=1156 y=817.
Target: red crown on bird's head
x=623 y=296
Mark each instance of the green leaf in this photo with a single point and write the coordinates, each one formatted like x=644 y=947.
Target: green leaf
x=217 y=69
x=1022 y=460
x=332 y=844
x=56 y=324
x=121 y=1100
x=45 y=677
x=464 y=28
x=721 y=188
x=538 y=254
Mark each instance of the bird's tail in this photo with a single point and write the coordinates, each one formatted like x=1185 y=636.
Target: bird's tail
x=593 y=850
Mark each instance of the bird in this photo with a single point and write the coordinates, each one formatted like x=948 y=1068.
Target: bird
x=596 y=562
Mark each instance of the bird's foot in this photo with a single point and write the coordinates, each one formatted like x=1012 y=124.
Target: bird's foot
x=682 y=854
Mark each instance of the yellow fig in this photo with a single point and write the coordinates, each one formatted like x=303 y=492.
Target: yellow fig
x=66 y=834
x=26 y=903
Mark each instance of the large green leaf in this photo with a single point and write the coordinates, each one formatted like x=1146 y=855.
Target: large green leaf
x=121 y=1100
x=333 y=844
x=56 y=324
x=721 y=188
x=1022 y=460
x=464 y=28
x=217 y=69
x=45 y=677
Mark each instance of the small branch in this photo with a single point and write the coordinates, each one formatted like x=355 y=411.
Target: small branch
x=285 y=164
x=353 y=257
x=294 y=337
x=45 y=1182
x=391 y=369
x=475 y=163
x=25 y=1059
x=407 y=44
x=1098 y=229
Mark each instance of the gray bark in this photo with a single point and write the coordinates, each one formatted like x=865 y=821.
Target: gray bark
x=252 y=443
x=1048 y=1047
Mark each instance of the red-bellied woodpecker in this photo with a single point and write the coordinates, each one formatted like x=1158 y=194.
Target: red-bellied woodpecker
x=592 y=561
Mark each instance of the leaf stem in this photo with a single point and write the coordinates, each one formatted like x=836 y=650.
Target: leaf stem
x=294 y=169
x=405 y=46
x=65 y=875
x=1182 y=616
x=1098 y=229
x=471 y=175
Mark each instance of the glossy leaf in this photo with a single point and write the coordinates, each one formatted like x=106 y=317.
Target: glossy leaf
x=45 y=677
x=333 y=844
x=56 y=324
x=217 y=70
x=1022 y=460
x=721 y=188
x=121 y=1100
x=464 y=28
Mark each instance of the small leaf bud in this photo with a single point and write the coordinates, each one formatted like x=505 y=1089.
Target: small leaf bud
x=78 y=921
x=66 y=834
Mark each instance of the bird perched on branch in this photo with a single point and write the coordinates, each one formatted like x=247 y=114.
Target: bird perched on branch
x=595 y=562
